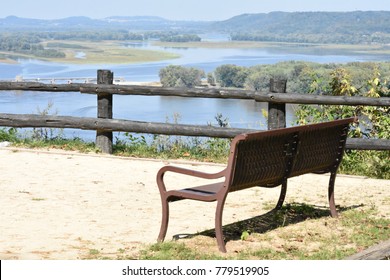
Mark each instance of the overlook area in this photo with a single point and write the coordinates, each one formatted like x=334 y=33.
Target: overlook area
x=77 y=85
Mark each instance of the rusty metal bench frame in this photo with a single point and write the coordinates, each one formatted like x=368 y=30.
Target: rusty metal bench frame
x=264 y=159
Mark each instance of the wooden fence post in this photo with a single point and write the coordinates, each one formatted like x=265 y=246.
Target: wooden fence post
x=104 y=111
x=277 y=111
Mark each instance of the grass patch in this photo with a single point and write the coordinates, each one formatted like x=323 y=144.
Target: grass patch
x=176 y=251
x=374 y=164
x=174 y=147
x=94 y=52
x=299 y=47
x=104 y=52
x=65 y=46
x=161 y=147
x=93 y=253
x=296 y=232
x=75 y=144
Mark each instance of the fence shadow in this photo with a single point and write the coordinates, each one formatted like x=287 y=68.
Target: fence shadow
x=293 y=213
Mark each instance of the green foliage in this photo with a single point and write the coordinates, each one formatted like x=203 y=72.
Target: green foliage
x=351 y=79
x=355 y=78
x=65 y=45
x=368 y=27
x=92 y=35
x=302 y=77
x=211 y=79
x=180 y=76
x=260 y=75
x=373 y=122
x=45 y=137
x=175 y=251
x=245 y=235
x=26 y=44
x=165 y=146
x=8 y=134
x=180 y=38
x=230 y=75
x=311 y=27
x=373 y=164
x=341 y=83
x=74 y=144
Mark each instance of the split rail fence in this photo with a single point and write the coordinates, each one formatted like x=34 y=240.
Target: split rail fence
x=105 y=125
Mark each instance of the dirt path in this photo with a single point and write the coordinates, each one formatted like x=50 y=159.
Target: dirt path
x=63 y=205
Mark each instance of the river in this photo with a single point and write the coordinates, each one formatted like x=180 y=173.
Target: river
x=240 y=113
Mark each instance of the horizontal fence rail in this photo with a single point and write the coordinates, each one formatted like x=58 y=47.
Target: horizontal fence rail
x=104 y=125
x=13 y=120
x=292 y=98
x=16 y=120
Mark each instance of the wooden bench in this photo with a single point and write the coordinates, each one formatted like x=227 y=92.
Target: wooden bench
x=264 y=159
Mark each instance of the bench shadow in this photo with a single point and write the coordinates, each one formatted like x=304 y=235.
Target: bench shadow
x=293 y=213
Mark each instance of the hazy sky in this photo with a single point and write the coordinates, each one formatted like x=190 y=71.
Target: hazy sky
x=177 y=9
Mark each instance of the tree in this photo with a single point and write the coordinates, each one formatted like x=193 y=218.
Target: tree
x=180 y=76
x=211 y=79
x=230 y=75
x=181 y=38
x=258 y=80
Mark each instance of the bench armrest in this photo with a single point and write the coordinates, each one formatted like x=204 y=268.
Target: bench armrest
x=184 y=171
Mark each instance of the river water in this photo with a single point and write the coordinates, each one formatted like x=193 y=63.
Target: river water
x=240 y=113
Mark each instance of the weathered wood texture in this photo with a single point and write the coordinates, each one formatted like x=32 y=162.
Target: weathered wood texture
x=104 y=111
x=292 y=98
x=377 y=252
x=277 y=111
x=368 y=144
x=16 y=120
x=35 y=86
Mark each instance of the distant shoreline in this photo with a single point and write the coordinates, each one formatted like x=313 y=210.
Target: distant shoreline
x=103 y=52
x=113 y=52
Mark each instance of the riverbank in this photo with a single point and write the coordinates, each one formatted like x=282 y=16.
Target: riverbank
x=67 y=205
x=303 y=48
x=116 y=53
x=92 y=52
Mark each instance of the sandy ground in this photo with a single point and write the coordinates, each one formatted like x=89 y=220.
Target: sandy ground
x=63 y=205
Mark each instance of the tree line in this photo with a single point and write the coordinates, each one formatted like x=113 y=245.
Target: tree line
x=302 y=77
x=27 y=44
x=314 y=38
x=15 y=39
x=31 y=43
x=311 y=27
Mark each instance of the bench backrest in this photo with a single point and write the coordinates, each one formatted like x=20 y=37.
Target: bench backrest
x=268 y=158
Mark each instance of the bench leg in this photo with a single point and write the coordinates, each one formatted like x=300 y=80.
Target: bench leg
x=218 y=225
x=332 y=205
x=282 y=195
x=164 y=220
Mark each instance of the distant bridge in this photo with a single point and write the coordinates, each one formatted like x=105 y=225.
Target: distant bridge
x=86 y=80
